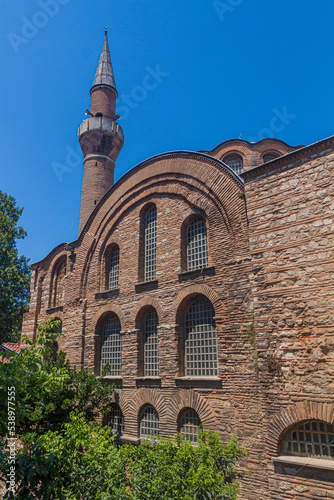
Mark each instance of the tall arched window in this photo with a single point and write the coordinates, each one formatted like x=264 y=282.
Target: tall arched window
x=189 y=423
x=200 y=343
x=310 y=438
x=235 y=162
x=116 y=421
x=196 y=242
x=111 y=346
x=114 y=268
x=58 y=283
x=149 y=421
x=150 y=331
x=150 y=243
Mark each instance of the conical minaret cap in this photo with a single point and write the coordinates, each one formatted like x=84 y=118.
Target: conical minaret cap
x=104 y=73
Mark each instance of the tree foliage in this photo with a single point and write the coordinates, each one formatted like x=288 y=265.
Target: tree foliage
x=14 y=271
x=67 y=455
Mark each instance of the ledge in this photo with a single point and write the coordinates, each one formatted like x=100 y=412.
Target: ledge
x=112 y=379
x=54 y=309
x=198 y=381
x=129 y=439
x=146 y=285
x=107 y=293
x=148 y=381
x=203 y=271
x=315 y=463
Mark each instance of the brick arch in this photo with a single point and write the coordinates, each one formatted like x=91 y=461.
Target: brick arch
x=103 y=313
x=187 y=398
x=187 y=293
x=143 y=305
x=303 y=410
x=147 y=396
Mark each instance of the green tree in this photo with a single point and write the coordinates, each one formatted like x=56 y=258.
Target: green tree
x=48 y=390
x=14 y=271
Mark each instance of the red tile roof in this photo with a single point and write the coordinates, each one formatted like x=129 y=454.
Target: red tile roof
x=10 y=346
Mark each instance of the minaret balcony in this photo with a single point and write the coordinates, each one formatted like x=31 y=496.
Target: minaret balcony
x=101 y=123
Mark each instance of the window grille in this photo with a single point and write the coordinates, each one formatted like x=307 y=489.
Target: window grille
x=189 y=424
x=116 y=421
x=150 y=243
x=197 y=250
x=114 y=269
x=312 y=438
x=200 y=339
x=149 y=422
x=111 y=350
x=268 y=157
x=151 y=359
x=235 y=162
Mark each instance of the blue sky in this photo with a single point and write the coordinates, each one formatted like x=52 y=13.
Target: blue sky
x=227 y=68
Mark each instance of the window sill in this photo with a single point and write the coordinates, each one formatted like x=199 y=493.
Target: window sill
x=107 y=293
x=147 y=381
x=203 y=271
x=54 y=309
x=198 y=381
x=129 y=439
x=117 y=380
x=146 y=285
x=315 y=463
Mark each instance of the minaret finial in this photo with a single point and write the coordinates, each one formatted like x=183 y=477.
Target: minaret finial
x=106 y=31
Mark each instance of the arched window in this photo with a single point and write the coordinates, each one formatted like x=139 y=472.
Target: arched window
x=196 y=242
x=200 y=343
x=235 y=162
x=150 y=331
x=111 y=347
x=150 y=243
x=310 y=438
x=58 y=283
x=189 y=423
x=116 y=421
x=269 y=157
x=149 y=421
x=114 y=268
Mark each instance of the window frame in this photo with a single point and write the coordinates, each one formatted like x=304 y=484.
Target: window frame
x=233 y=155
x=114 y=372
x=154 y=412
x=150 y=353
x=198 y=247
x=191 y=436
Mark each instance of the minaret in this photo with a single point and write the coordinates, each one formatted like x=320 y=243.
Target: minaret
x=101 y=138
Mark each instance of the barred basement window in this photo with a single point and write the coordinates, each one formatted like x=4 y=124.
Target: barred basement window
x=111 y=350
x=150 y=243
x=311 y=438
x=235 y=162
x=197 y=250
x=151 y=359
x=200 y=339
x=116 y=421
x=149 y=421
x=114 y=269
x=269 y=157
x=189 y=423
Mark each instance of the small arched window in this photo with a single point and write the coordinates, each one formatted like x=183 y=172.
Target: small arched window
x=150 y=243
x=116 y=421
x=114 y=268
x=310 y=438
x=111 y=345
x=189 y=423
x=149 y=422
x=235 y=162
x=151 y=356
x=269 y=157
x=58 y=291
x=200 y=343
x=196 y=242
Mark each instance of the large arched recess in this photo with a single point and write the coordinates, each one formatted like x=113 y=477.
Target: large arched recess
x=204 y=182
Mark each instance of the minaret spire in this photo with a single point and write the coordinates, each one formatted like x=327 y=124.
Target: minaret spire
x=104 y=73
x=101 y=137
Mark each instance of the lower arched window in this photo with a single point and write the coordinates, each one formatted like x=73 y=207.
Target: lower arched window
x=189 y=423
x=116 y=421
x=200 y=343
x=151 y=359
x=111 y=348
x=149 y=421
x=309 y=438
